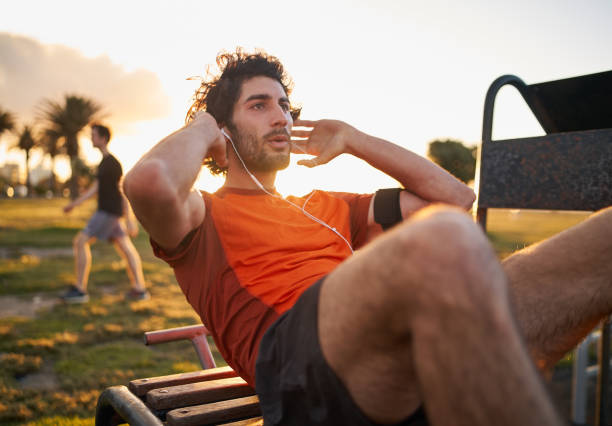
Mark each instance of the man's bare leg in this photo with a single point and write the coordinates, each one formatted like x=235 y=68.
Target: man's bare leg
x=126 y=249
x=82 y=259
x=422 y=315
x=561 y=288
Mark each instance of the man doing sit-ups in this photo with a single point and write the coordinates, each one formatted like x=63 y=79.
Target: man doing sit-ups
x=332 y=320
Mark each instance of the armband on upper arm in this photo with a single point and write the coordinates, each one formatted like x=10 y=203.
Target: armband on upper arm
x=387 y=211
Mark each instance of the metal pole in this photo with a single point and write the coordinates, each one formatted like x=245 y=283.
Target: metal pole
x=203 y=350
x=579 y=382
x=603 y=376
x=117 y=405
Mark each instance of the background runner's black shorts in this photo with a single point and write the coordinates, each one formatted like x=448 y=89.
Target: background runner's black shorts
x=293 y=381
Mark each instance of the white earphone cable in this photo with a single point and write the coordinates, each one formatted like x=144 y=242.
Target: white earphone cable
x=302 y=209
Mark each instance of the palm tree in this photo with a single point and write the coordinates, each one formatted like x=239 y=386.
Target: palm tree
x=26 y=142
x=7 y=121
x=50 y=142
x=67 y=119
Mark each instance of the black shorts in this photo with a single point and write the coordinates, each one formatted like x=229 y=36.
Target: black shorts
x=293 y=381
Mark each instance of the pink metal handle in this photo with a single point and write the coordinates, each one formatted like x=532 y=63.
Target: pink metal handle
x=196 y=333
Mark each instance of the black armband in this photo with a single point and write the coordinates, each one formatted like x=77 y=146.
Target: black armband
x=387 y=211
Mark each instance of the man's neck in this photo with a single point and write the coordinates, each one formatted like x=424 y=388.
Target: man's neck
x=241 y=179
x=104 y=151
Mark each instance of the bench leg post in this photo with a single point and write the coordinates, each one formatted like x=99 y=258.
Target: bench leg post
x=580 y=382
x=603 y=376
x=203 y=350
x=117 y=405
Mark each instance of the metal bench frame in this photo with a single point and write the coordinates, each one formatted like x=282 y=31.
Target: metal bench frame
x=569 y=168
x=208 y=396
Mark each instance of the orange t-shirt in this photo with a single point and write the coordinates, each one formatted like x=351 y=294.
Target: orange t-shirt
x=254 y=255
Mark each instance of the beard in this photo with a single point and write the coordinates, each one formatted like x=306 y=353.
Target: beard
x=255 y=155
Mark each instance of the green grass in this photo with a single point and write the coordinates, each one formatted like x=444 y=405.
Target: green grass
x=61 y=421
x=512 y=230
x=86 y=348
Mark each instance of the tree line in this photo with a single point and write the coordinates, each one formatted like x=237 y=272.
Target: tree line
x=55 y=131
x=454 y=156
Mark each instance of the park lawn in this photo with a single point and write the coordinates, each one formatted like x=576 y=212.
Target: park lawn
x=80 y=349
x=512 y=230
x=84 y=348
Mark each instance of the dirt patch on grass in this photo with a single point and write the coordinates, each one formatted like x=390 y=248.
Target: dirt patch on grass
x=45 y=379
x=40 y=252
x=26 y=306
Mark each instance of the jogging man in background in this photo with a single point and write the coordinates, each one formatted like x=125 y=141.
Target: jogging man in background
x=107 y=224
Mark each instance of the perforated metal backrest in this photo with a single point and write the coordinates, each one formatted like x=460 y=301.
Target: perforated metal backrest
x=563 y=170
x=570 y=168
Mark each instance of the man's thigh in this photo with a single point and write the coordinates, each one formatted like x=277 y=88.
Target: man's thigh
x=561 y=287
x=123 y=245
x=358 y=343
x=82 y=238
x=372 y=305
x=295 y=384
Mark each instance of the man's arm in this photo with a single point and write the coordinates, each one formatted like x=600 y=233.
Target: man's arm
x=160 y=186
x=425 y=182
x=90 y=192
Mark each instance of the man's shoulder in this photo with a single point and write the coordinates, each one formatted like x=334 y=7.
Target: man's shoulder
x=110 y=159
x=112 y=162
x=113 y=159
x=346 y=196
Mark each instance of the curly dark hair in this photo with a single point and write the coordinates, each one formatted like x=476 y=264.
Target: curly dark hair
x=217 y=94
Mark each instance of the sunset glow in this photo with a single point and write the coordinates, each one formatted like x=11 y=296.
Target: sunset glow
x=409 y=72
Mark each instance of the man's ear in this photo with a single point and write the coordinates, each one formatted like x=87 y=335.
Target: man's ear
x=223 y=127
x=226 y=132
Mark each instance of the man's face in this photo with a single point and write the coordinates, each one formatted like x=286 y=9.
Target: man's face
x=261 y=125
x=96 y=140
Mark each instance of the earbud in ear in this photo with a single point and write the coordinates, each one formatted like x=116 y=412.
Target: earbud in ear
x=225 y=134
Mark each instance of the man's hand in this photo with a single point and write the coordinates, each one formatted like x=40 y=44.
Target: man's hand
x=204 y=122
x=89 y=192
x=326 y=140
x=160 y=186
x=426 y=181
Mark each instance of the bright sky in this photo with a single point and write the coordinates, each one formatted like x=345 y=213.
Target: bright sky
x=407 y=71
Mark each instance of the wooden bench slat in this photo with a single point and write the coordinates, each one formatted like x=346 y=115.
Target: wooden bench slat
x=140 y=387
x=255 y=421
x=216 y=412
x=198 y=393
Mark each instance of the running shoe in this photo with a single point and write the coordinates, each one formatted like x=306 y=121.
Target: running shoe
x=134 y=294
x=74 y=295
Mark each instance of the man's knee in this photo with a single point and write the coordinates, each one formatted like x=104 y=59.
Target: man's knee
x=443 y=262
x=80 y=239
x=603 y=217
x=123 y=244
